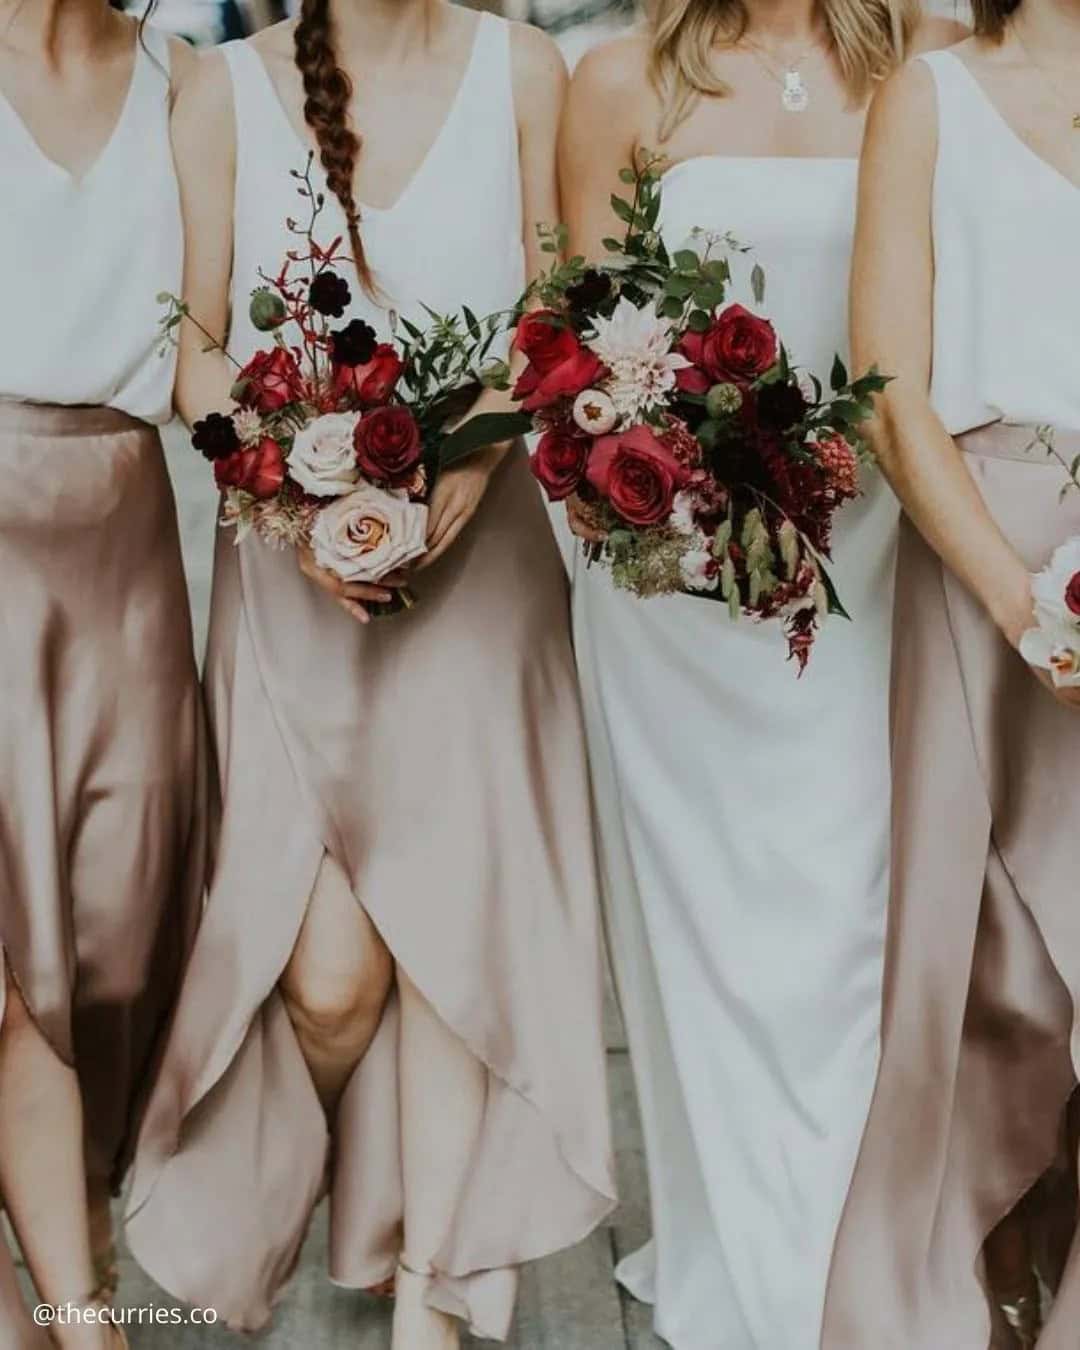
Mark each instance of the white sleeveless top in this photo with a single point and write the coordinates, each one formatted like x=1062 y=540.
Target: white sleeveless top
x=454 y=235
x=1006 y=268
x=89 y=257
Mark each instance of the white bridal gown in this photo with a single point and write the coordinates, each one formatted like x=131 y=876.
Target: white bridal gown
x=744 y=822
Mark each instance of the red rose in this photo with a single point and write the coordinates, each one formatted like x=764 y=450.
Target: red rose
x=637 y=473
x=559 y=462
x=269 y=381
x=1072 y=594
x=559 y=366
x=388 y=445
x=545 y=339
x=737 y=347
x=373 y=382
x=259 y=469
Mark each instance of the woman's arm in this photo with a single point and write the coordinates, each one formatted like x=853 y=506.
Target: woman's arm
x=204 y=148
x=892 y=325
x=539 y=79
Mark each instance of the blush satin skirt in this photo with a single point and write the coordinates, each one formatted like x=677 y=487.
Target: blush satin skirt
x=438 y=757
x=981 y=1041
x=101 y=749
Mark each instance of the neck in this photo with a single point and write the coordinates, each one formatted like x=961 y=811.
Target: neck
x=376 y=29
x=55 y=29
x=1050 y=26
x=784 y=22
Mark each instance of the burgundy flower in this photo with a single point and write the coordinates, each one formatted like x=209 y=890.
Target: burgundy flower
x=544 y=338
x=214 y=436
x=558 y=463
x=780 y=405
x=373 y=381
x=329 y=294
x=637 y=473
x=269 y=381
x=353 y=345
x=1072 y=594
x=388 y=444
x=737 y=347
x=259 y=470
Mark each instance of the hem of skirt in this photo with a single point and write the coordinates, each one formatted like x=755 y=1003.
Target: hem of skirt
x=605 y=1199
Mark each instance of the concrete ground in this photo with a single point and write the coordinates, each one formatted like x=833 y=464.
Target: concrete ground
x=568 y=1302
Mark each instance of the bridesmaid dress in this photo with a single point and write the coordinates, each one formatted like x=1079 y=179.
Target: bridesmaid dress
x=101 y=730
x=744 y=827
x=980 y=1037
x=438 y=757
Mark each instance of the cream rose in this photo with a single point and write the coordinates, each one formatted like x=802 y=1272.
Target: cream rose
x=323 y=458
x=370 y=532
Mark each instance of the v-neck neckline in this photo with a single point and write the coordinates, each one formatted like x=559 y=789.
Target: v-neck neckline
x=79 y=181
x=306 y=145
x=1029 y=150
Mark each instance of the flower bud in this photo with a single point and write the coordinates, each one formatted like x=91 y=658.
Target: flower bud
x=267 y=310
x=788 y=537
x=723 y=400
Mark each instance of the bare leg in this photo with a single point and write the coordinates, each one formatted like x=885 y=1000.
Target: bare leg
x=42 y=1174
x=443 y=1094
x=17 y=1330
x=336 y=984
x=102 y=1238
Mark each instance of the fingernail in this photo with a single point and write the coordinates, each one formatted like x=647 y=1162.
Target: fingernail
x=386 y=596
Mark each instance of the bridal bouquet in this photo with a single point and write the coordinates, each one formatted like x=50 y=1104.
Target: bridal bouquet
x=709 y=463
x=336 y=438
x=1054 y=643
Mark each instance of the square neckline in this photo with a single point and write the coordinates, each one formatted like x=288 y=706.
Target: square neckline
x=989 y=103
x=305 y=143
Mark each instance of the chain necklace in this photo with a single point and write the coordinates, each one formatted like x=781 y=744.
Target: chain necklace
x=1069 y=101
x=794 y=95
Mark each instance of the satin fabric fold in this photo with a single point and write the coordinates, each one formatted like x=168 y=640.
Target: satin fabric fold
x=101 y=749
x=983 y=963
x=438 y=757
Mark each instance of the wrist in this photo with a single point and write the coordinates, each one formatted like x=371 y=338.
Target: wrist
x=1013 y=609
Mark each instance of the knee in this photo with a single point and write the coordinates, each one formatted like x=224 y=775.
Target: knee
x=335 y=1008
x=17 y=1020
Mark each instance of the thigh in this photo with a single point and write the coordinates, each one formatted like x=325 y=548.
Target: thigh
x=339 y=954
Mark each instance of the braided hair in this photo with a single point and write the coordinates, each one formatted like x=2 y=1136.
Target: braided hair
x=327 y=91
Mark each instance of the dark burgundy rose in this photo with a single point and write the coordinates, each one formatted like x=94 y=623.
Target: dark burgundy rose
x=353 y=345
x=269 y=381
x=214 y=436
x=638 y=474
x=259 y=470
x=374 y=381
x=590 y=292
x=388 y=445
x=1072 y=594
x=329 y=294
x=737 y=347
x=558 y=463
x=780 y=405
x=545 y=339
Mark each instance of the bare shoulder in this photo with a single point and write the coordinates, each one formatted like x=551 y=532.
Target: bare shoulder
x=276 y=44
x=903 y=115
x=182 y=60
x=204 y=89
x=613 y=70
x=536 y=57
x=935 y=32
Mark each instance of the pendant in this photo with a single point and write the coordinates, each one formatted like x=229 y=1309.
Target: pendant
x=794 y=96
x=1076 y=122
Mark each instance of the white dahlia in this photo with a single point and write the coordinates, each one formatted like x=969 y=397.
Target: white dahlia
x=636 y=347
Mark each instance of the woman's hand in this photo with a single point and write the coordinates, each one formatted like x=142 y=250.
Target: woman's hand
x=458 y=492
x=580 y=520
x=351 y=596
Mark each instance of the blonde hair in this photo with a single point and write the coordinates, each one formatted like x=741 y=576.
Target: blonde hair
x=870 y=39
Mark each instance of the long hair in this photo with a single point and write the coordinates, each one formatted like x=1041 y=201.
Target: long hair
x=991 y=17
x=327 y=91
x=870 y=39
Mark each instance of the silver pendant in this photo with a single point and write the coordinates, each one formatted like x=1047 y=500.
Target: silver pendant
x=794 y=96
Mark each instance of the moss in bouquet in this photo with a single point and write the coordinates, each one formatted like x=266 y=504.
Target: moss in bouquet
x=648 y=563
